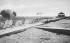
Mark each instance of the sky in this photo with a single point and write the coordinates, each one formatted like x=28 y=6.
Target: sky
x=37 y=7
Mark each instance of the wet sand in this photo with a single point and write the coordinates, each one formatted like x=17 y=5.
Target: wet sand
x=34 y=35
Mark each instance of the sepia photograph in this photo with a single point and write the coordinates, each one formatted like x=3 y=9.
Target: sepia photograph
x=34 y=21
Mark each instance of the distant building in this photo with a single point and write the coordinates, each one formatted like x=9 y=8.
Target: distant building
x=61 y=15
